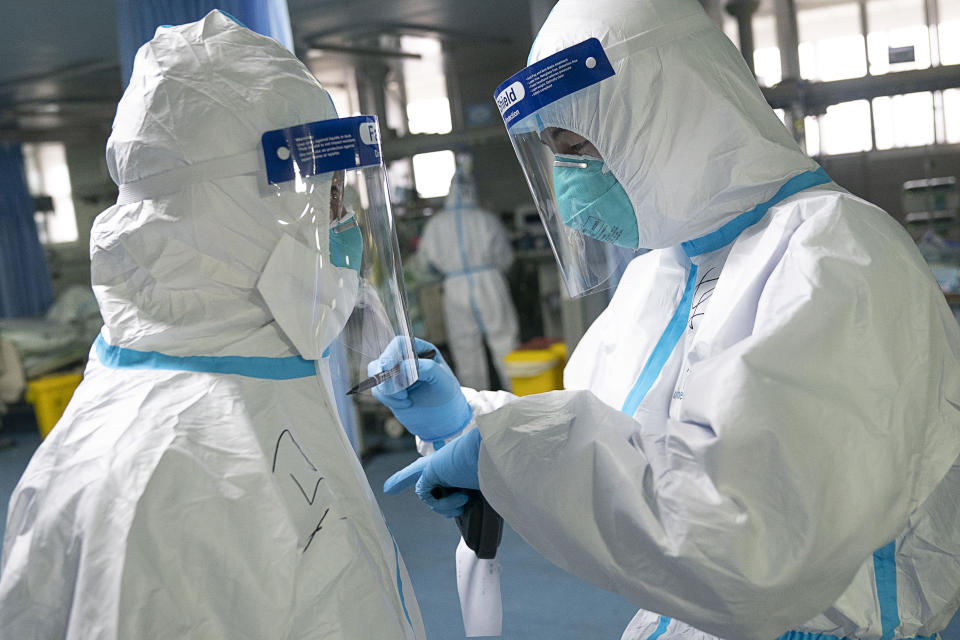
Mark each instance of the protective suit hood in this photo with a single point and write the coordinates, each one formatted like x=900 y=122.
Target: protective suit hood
x=172 y=271
x=681 y=124
x=463 y=191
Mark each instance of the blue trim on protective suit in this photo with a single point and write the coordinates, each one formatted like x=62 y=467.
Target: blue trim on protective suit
x=396 y=557
x=251 y=367
x=665 y=346
x=705 y=244
x=885 y=576
x=661 y=628
x=233 y=18
x=465 y=263
x=729 y=232
x=463 y=272
x=800 y=635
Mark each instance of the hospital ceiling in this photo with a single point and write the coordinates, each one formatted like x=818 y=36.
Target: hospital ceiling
x=60 y=75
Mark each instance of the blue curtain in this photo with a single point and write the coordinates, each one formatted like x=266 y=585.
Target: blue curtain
x=137 y=20
x=25 y=287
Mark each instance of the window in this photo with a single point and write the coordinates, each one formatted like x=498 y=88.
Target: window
x=766 y=53
x=897 y=37
x=782 y=114
x=833 y=47
x=904 y=121
x=400 y=179
x=730 y=29
x=45 y=164
x=844 y=128
x=432 y=173
x=428 y=109
x=338 y=78
x=811 y=127
x=395 y=97
x=951 y=108
x=949 y=32
x=342 y=100
x=831 y=44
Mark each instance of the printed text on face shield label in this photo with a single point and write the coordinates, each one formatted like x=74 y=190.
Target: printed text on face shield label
x=545 y=78
x=551 y=79
x=310 y=149
x=368 y=133
x=321 y=147
x=511 y=95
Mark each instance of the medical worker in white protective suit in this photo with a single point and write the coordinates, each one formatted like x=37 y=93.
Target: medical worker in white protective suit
x=199 y=484
x=759 y=437
x=470 y=247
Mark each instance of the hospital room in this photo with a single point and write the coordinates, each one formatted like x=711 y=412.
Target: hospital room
x=520 y=319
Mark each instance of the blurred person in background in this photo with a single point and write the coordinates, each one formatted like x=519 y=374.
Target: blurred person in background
x=471 y=248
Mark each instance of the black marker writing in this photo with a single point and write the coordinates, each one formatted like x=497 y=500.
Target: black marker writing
x=315 y=487
x=276 y=449
x=317 y=530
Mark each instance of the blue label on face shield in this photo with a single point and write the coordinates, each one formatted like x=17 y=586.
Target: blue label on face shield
x=321 y=147
x=551 y=79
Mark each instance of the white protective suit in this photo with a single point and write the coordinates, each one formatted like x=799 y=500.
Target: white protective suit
x=761 y=433
x=471 y=248
x=199 y=484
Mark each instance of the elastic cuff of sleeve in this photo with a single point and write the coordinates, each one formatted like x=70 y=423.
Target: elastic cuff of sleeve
x=426 y=447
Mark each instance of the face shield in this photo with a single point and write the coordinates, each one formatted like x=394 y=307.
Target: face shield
x=584 y=209
x=339 y=253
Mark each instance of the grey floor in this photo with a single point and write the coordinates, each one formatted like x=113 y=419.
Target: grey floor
x=540 y=601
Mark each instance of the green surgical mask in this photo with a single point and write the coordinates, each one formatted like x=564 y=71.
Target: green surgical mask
x=346 y=245
x=593 y=202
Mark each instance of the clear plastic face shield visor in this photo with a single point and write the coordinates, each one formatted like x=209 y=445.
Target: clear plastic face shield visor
x=330 y=179
x=579 y=201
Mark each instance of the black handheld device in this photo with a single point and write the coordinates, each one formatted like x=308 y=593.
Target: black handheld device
x=480 y=526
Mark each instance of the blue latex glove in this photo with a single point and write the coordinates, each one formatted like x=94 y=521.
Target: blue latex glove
x=454 y=465
x=433 y=408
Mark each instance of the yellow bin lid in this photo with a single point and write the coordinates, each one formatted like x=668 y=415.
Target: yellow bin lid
x=542 y=356
x=526 y=363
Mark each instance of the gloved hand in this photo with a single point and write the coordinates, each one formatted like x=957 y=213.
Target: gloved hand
x=454 y=465
x=433 y=407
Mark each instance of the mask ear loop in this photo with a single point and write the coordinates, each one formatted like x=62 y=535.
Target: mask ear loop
x=569 y=164
x=557 y=162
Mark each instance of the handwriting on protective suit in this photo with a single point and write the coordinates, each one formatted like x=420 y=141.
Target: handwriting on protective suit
x=296 y=464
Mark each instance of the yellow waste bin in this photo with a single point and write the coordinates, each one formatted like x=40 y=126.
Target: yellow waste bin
x=536 y=370
x=49 y=396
